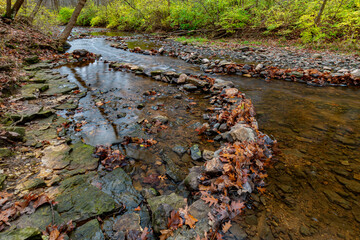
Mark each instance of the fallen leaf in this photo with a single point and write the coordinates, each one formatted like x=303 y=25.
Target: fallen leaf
x=226 y=226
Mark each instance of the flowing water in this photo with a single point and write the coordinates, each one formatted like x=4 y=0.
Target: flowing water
x=313 y=189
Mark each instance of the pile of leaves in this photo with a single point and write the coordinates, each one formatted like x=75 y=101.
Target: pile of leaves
x=61 y=232
x=11 y=209
x=140 y=141
x=153 y=127
x=110 y=158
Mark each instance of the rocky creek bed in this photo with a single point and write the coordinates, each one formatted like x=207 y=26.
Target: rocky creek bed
x=312 y=189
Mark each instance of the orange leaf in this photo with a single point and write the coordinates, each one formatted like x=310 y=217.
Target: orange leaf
x=137 y=209
x=226 y=226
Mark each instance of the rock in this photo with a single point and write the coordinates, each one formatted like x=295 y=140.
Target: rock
x=127 y=222
x=2 y=180
x=305 y=231
x=119 y=186
x=4 y=152
x=21 y=234
x=182 y=79
x=20 y=133
x=32 y=59
x=214 y=165
x=317 y=56
x=180 y=150
x=259 y=67
x=231 y=92
x=190 y=87
x=220 y=84
x=30 y=91
x=173 y=170
x=82 y=202
x=81 y=157
x=351 y=185
x=160 y=118
x=161 y=207
x=89 y=231
x=356 y=73
x=66 y=106
x=195 y=152
x=223 y=127
x=161 y=50
x=80 y=52
x=40 y=219
x=156 y=73
x=199 y=209
x=201 y=227
x=205 y=61
x=33 y=184
x=335 y=198
x=56 y=157
x=243 y=49
x=196 y=82
x=208 y=155
x=296 y=74
x=192 y=179
x=251 y=220
x=241 y=132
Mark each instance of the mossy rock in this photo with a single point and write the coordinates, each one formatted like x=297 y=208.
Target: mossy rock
x=81 y=157
x=89 y=231
x=28 y=233
x=4 y=152
x=32 y=59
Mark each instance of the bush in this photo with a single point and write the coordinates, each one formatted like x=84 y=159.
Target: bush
x=65 y=14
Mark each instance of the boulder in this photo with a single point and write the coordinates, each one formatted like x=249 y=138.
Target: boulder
x=195 y=152
x=192 y=179
x=182 y=79
x=241 y=132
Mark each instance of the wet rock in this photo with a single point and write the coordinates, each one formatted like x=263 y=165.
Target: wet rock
x=161 y=207
x=127 y=222
x=351 y=185
x=33 y=184
x=208 y=155
x=237 y=231
x=199 y=209
x=2 y=180
x=149 y=193
x=178 y=96
x=121 y=115
x=230 y=92
x=32 y=59
x=306 y=231
x=156 y=73
x=82 y=202
x=190 y=87
x=195 y=152
x=160 y=118
x=251 y=219
x=192 y=179
x=182 y=79
x=31 y=91
x=21 y=234
x=80 y=52
x=42 y=218
x=89 y=231
x=66 y=106
x=241 y=132
x=180 y=150
x=335 y=198
x=81 y=157
x=172 y=170
x=56 y=157
x=119 y=185
x=356 y=213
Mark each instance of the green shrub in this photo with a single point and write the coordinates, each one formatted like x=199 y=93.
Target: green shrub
x=65 y=14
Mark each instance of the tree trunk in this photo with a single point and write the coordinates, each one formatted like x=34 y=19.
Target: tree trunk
x=8 y=9
x=35 y=11
x=66 y=32
x=318 y=18
x=16 y=7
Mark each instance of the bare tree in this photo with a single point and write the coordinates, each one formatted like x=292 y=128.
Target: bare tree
x=318 y=18
x=66 y=32
x=35 y=11
x=8 y=9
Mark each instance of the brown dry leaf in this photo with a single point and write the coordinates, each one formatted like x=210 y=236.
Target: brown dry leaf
x=144 y=234
x=41 y=200
x=226 y=226
x=165 y=234
x=54 y=234
x=175 y=221
x=209 y=199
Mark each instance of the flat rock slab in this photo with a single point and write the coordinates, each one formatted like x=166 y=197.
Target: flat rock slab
x=83 y=202
x=29 y=91
x=40 y=219
x=22 y=233
x=56 y=157
x=119 y=186
x=81 y=157
x=89 y=231
x=59 y=87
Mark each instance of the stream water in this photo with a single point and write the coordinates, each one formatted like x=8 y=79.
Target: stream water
x=313 y=189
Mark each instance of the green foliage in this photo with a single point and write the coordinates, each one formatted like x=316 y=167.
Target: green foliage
x=65 y=14
x=191 y=40
x=340 y=19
